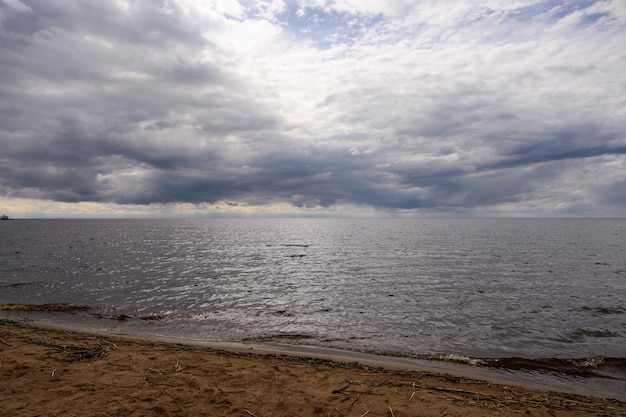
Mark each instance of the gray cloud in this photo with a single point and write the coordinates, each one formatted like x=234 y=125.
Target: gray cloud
x=163 y=103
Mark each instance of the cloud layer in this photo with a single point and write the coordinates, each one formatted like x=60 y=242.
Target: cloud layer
x=491 y=107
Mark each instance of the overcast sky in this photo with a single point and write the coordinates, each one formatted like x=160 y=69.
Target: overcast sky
x=316 y=107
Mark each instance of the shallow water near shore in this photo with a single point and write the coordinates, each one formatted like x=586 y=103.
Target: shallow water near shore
x=543 y=297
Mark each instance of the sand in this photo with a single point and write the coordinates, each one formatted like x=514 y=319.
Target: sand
x=48 y=372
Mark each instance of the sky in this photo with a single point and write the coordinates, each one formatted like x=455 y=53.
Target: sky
x=463 y=108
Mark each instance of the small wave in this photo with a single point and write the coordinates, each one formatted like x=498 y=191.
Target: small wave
x=462 y=359
x=593 y=333
x=125 y=317
x=281 y=313
x=602 y=311
x=22 y=284
x=589 y=362
x=593 y=366
x=598 y=366
x=278 y=337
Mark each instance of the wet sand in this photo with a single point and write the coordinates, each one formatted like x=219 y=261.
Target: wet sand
x=51 y=372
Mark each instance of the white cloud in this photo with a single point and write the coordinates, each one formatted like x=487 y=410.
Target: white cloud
x=210 y=8
x=17 y=6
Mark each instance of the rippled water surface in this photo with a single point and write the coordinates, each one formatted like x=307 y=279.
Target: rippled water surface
x=533 y=289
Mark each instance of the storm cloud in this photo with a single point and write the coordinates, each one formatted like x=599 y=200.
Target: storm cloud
x=475 y=108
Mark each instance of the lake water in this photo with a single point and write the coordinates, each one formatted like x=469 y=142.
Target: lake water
x=544 y=298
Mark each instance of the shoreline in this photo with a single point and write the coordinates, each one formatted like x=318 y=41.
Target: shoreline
x=536 y=379
x=52 y=371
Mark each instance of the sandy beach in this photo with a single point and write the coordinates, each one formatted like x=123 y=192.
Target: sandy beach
x=51 y=372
